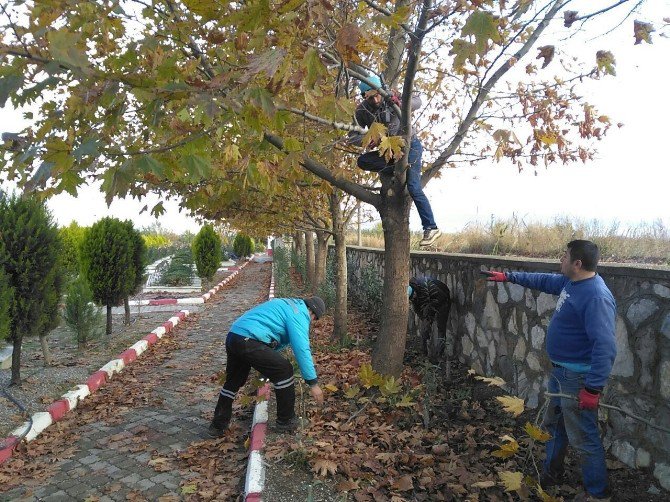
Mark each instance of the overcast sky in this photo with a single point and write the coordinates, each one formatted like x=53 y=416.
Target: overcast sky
x=628 y=183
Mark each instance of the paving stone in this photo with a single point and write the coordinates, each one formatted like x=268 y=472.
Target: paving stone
x=156 y=491
x=79 y=490
x=145 y=484
x=131 y=480
x=169 y=485
x=163 y=476
x=90 y=459
x=59 y=496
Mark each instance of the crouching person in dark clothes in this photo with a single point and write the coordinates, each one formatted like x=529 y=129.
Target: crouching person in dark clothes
x=254 y=341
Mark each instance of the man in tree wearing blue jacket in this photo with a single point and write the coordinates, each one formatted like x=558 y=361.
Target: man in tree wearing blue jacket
x=254 y=341
x=581 y=345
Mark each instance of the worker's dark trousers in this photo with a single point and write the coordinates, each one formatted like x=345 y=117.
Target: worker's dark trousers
x=243 y=354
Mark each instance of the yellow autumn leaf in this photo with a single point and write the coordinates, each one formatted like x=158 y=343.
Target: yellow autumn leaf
x=536 y=433
x=352 y=392
x=511 y=404
x=391 y=147
x=508 y=449
x=330 y=387
x=188 y=489
x=375 y=133
x=497 y=381
x=511 y=480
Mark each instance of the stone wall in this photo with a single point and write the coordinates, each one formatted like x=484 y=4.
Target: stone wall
x=499 y=329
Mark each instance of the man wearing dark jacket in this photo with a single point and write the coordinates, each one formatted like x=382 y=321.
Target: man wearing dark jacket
x=375 y=108
x=254 y=341
x=581 y=345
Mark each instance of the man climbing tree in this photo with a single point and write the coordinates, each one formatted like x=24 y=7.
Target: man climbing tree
x=375 y=109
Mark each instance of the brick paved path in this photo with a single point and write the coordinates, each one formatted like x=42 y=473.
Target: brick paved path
x=140 y=437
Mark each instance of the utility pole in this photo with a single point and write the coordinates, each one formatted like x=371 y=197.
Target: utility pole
x=360 y=240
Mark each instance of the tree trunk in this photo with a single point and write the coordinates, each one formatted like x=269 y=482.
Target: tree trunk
x=16 y=362
x=322 y=238
x=300 y=243
x=309 y=259
x=46 y=353
x=126 y=305
x=389 y=349
x=108 y=329
x=340 y=319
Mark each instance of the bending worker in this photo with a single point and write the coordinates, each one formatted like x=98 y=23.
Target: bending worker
x=254 y=341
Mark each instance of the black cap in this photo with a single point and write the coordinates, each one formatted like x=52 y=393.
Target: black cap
x=316 y=305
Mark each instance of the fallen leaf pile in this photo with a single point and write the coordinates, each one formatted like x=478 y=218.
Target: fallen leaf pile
x=370 y=438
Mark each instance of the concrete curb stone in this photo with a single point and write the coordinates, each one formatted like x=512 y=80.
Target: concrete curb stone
x=255 y=478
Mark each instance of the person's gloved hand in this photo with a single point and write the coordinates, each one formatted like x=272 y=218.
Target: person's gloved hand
x=495 y=276
x=588 y=399
x=395 y=98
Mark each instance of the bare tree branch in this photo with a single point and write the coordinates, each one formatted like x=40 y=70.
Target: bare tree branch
x=324 y=173
x=483 y=93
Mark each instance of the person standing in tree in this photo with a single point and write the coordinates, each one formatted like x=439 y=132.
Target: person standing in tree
x=254 y=341
x=375 y=108
x=581 y=344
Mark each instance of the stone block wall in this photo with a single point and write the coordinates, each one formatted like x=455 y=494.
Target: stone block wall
x=500 y=328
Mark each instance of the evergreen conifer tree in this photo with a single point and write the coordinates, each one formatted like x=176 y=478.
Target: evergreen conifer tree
x=207 y=252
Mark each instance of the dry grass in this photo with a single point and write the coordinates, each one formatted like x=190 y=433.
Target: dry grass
x=643 y=244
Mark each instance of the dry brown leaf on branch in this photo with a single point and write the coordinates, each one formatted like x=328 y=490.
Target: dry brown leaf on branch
x=324 y=467
x=546 y=53
x=511 y=404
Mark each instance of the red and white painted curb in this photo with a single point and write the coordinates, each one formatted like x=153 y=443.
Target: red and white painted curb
x=255 y=478
x=69 y=401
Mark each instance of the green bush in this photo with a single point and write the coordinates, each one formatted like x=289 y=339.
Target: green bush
x=71 y=238
x=139 y=250
x=80 y=314
x=282 y=273
x=299 y=263
x=107 y=257
x=366 y=291
x=243 y=245
x=327 y=288
x=207 y=252
x=29 y=250
x=179 y=272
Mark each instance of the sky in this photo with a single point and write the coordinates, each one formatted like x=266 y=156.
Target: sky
x=628 y=183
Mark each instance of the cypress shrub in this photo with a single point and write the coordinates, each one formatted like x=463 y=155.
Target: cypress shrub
x=29 y=249
x=207 y=252
x=80 y=314
x=107 y=263
x=243 y=245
